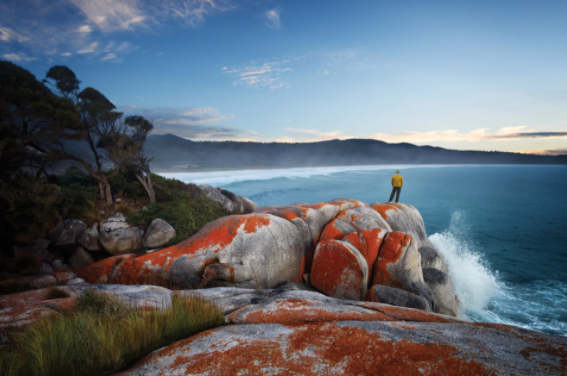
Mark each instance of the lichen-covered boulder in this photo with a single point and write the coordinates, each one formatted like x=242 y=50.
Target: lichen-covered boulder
x=158 y=234
x=362 y=227
x=80 y=258
x=102 y=271
x=68 y=232
x=118 y=237
x=253 y=250
x=406 y=218
x=339 y=270
x=399 y=266
x=310 y=220
x=90 y=239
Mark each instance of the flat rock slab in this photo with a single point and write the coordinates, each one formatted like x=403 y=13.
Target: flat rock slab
x=360 y=348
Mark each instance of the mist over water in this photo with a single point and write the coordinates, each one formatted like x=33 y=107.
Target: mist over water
x=503 y=232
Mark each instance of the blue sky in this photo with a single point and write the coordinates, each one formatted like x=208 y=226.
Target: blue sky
x=486 y=75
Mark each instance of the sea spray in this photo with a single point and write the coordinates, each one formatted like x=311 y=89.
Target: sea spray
x=475 y=284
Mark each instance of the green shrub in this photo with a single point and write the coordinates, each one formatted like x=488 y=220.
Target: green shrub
x=126 y=184
x=182 y=212
x=103 y=336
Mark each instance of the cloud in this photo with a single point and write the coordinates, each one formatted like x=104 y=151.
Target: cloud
x=316 y=135
x=18 y=57
x=75 y=25
x=111 y=15
x=266 y=74
x=66 y=54
x=454 y=135
x=89 y=49
x=109 y=57
x=8 y=35
x=194 y=123
x=547 y=152
x=273 y=18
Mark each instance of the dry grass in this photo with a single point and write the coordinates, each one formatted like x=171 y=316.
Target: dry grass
x=103 y=336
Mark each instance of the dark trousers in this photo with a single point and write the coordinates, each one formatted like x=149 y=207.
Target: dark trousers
x=394 y=190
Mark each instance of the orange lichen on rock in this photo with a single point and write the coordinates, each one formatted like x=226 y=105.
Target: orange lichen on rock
x=383 y=209
x=295 y=311
x=338 y=272
x=390 y=252
x=325 y=348
x=100 y=271
x=408 y=314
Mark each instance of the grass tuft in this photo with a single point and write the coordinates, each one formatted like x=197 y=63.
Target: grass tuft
x=103 y=336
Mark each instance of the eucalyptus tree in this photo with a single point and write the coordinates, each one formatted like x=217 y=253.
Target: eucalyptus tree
x=124 y=145
x=98 y=119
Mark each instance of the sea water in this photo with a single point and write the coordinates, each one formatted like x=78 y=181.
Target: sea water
x=503 y=229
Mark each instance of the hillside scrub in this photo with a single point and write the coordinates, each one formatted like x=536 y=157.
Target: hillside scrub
x=103 y=335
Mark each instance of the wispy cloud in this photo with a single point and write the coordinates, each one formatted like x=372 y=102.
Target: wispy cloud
x=110 y=56
x=263 y=74
x=453 y=135
x=18 y=57
x=547 y=152
x=76 y=25
x=89 y=49
x=273 y=18
x=194 y=123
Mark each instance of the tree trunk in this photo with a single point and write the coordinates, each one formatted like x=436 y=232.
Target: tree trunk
x=108 y=195
x=101 y=190
x=147 y=183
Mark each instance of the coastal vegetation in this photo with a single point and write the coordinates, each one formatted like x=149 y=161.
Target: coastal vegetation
x=103 y=335
x=41 y=124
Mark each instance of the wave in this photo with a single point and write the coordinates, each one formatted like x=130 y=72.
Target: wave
x=538 y=305
x=235 y=176
x=475 y=284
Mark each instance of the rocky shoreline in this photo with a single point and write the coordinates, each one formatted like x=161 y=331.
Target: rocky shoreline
x=338 y=287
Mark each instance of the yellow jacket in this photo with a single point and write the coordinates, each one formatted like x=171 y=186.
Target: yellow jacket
x=397 y=181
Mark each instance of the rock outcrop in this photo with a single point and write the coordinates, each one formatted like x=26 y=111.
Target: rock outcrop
x=90 y=239
x=158 y=234
x=230 y=202
x=307 y=333
x=342 y=247
x=118 y=237
x=68 y=232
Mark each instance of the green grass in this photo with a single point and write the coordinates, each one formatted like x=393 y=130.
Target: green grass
x=103 y=336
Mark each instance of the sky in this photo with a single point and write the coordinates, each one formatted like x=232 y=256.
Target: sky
x=469 y=75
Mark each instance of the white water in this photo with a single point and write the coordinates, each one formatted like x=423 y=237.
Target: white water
x=475 y=284
x=234 y=176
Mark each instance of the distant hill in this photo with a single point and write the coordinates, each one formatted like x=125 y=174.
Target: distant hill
x=172 y=153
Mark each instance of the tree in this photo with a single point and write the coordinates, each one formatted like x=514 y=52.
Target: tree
x=98 y=119
x=32 y=120
x=124 y=146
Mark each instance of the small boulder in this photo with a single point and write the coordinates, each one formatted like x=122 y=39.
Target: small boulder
x=158 y=234
x=80 y=258
x=118 y=237
x=339 y=270
x=68 y=232
x=397 y=297
x=90 y=240
x=217 y=196
x=45 y=269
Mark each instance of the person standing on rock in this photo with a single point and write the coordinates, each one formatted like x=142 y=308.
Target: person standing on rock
x=397 y=183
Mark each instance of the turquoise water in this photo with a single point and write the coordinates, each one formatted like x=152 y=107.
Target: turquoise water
x=503 y=229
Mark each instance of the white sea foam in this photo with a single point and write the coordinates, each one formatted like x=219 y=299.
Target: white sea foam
x=234 y=176
x=475 y=284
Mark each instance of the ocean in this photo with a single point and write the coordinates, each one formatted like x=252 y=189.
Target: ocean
x=503 y=229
